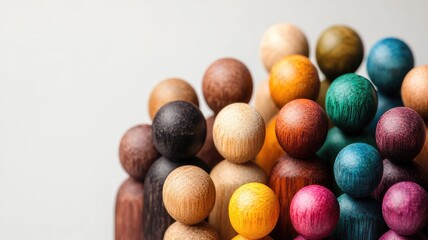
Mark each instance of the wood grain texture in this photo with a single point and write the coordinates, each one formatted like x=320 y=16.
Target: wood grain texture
x=339 y=50
x=137 y=151
x=281 y=40
x=226 y=81
x=156 y=219
x=391 y=235
x=179 y=130
x=200 y=231
x=351 y=102
x=288 y=176
x=400 y=134
x=360 y=218
x=188 y=194
x=239 y=132
x=129 y=211
x=209 y=153
x=358 y=170
x=228 y=177
x=293 y=77
x=271 y=150
x=314 y=212
x=301 y=128
x=263 y=101
x=384 y=103
x=170 y=90
x=394 y=173
x=422 y=158
x=414 y=90
x=253 y=210
x=239 y=237
x=405 y=208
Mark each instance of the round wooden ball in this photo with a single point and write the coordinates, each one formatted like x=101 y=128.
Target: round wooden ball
x=351 y=102
x=137 y=151
x=281 y=40
x=358 y=169
x=179 y=130
x=414 y=90
x=400 y=134
x=394 y=173
x=271 y=149
x=239 y=132
x=301 y=128
x=384 y=103
x=293 y=77
x=208 y=152
x=263 y=101
x=253 y=210
x=169 y=90
x=391 y=235
x=226 y=81
x=314 y=212
x=239 y=237
x=188 y=194
x=388 y=62
x=200 y=231
x=405 y=208
x=339 y=51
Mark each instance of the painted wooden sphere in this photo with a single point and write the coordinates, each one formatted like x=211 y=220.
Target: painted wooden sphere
x=391 y=235
x=358 y=169
x=200 y=231
x=414 y=90
x=188 y=194
x=226 y=81
x=137 y=151
x=351 y=102
x=314 y=212
x=179 y=130
x=253 y=210
x=384 y=103
x=239 y=132
x=301 y=128
x=293 y=77
x=405 y=208
x=388 y=62
x=281 y=40
x=170 y=90
x=339 y=51
x=400 y=134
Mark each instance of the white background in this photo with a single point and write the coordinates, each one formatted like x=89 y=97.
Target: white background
x=75 y=75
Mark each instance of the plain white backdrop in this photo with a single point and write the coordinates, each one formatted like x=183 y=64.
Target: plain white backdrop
x=76 y=74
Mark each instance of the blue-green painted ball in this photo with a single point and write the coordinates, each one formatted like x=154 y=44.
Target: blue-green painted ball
x=358 y=169
x=389 y=60
x=351 y=102
x=385 y=103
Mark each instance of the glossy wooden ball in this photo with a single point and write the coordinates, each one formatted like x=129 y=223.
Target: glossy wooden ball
x=263 y=101
x=137 y=151
x=388 y=62
x=226 y=81
x=358 y=169
x=301 y=128
x=339 y=50
x=400 y=134
x=384 y=103
x=208 y=152
x=405 y=208
x=360 y=218
x=239 y=132
x=314 y=212
x=179 y=130
x=293 y=77
x=281 y=40
x=394 y=173
x=351 y=102
x=170 y=90
x=414 y=90
x=391 y=235
x=253 y=210
x=200 y=231
x=271 y=150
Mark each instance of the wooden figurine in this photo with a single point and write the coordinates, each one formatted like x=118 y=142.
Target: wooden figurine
x=208 y=153
x=226 y=81
x=253 y=210
x=339 y=50
x=414 y=90
x=293 y=77
x=169 y=90
x=281 y=40
x=200 y=231
x=263 y=101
